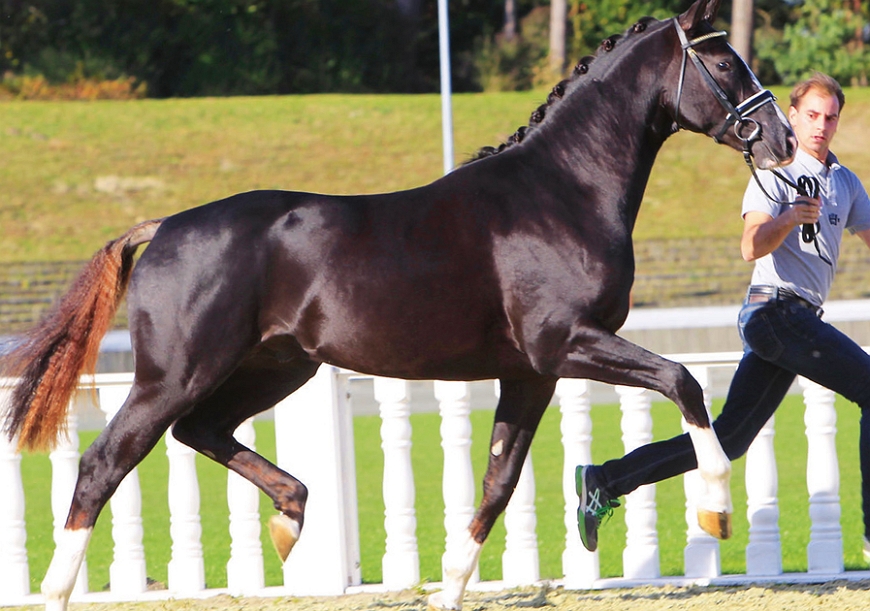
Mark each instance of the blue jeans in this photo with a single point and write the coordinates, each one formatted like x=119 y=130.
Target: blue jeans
x=782 y=340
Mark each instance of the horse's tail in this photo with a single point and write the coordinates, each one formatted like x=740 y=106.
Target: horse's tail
x=49 y=359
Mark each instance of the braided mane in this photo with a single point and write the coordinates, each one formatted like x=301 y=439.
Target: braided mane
x=558 y=92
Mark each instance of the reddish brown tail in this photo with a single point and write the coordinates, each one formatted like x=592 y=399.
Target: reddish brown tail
x=49 y=360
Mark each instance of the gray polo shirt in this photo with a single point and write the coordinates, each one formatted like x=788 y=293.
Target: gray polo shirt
x=794 y=264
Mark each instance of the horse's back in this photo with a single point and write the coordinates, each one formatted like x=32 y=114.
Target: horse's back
x=394 y=284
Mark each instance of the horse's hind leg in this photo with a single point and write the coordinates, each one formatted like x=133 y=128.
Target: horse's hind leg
x=519 y=411
x=125 y=441
x=257 y=385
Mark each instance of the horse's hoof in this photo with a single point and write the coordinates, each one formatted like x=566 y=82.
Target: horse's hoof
x=285 y=534
x=715 y=523
x=437 y=603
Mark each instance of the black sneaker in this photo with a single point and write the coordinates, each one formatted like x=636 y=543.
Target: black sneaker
x=595 y=505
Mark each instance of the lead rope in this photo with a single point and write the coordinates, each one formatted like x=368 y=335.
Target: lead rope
x=807 y=186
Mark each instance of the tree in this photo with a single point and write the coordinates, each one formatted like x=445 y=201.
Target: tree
x=742 y=24
x=595 y=20
x=510 y=19
x=826 y=36
x=558 y=23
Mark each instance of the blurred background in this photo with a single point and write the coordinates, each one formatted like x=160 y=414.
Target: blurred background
x=171 y=48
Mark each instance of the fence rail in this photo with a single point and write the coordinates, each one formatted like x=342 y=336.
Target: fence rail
x=317 y=446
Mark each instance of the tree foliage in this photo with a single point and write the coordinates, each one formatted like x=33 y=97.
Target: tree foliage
x=229 y=47
x=827 y=36
x=216 y=47
x=595 y=20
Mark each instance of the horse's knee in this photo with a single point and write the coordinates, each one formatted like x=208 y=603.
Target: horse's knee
x=689 y=396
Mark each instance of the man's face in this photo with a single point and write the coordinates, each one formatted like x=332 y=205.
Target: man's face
x=815 y=121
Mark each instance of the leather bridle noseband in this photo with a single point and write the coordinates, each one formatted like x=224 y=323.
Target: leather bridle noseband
x=738 y=116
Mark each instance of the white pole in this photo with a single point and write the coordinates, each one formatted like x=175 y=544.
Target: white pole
x=446 y=109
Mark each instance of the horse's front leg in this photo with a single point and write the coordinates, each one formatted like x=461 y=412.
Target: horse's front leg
x=600 y=355
x=520 y=407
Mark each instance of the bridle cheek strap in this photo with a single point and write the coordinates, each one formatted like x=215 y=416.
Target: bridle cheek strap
x=737 y=116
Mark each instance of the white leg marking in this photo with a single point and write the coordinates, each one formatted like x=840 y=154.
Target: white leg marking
x=715 y=469
x=458 y=567
x=64 y=568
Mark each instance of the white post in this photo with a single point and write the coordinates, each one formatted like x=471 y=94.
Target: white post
x=446 y=87
x=245 y=567
x=458 y=480
x=825 y=549
x=64 y=473
x=520 y=560
x=640 y=558
x=314 y=433
x=579 y=566
x=764 y=551
x=401 y=561
x=186 y=568
x=14 y=570
x=701 y=555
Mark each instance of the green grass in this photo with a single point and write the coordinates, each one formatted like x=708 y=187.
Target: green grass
x=179 y=153
x=426 y=456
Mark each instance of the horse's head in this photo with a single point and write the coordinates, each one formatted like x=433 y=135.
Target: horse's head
x=714 y=92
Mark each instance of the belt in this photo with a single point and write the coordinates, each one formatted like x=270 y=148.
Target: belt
x=761 y=292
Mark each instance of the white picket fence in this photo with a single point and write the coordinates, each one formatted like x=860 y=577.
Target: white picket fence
x=315 y=442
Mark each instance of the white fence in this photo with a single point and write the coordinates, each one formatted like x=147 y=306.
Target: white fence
x=316 y=445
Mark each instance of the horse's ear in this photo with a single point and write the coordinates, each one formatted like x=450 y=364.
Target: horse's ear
x=701 y=10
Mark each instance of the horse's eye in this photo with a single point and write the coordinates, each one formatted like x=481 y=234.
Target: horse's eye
x=724 y=66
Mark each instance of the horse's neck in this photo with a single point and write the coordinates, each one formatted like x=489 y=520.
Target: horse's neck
x=606 y=143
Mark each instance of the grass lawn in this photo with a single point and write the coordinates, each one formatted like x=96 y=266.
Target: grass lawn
x=76 y=174
x=547 y=456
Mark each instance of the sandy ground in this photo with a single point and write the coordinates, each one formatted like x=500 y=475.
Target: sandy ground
x=833 y=596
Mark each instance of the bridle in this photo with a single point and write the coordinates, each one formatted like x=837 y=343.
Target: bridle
x=739 y=117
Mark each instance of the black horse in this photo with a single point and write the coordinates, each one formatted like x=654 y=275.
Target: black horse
x=516 y=266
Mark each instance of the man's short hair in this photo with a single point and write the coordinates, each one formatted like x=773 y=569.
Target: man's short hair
x=819 y=81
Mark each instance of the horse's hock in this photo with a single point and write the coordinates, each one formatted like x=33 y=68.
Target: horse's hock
x=670 y=273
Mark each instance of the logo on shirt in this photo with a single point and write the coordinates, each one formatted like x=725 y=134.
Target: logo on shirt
x=834 y=219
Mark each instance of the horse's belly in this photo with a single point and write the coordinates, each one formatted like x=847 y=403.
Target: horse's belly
x=424 y=352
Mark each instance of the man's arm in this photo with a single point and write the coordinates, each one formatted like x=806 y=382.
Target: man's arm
x=864 y=235
x=762 y=233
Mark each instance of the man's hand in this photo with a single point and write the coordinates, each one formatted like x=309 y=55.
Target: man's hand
x=805 y=211
x=763 y=234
